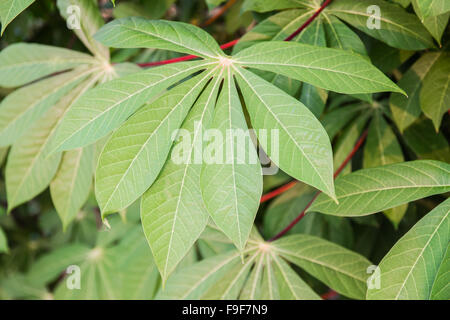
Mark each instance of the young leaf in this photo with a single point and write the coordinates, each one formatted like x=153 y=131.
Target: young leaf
x=372 y=190
x=398 y=28
x=128 y=164
x=305 y=150
x=435 y=92
x=441 y=285
x=270 y=5
x=135 y=32
x=71 y=185
x=108 y=105
x=231 y=183
x=331 y=69
x=427 y=8
x=23 y=63
x=411 y=267
x=9 y=9
x=172 y=211
x=339 y=268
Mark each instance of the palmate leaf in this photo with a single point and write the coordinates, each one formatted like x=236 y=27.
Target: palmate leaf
x=302 y=139
x=108 y=105
x=138 y=32
x=136 y=152
x=232 y=185
x=25 y=105
x=23 y=63
x=71 y=185
x=9 y=9
x=398 y=28
x=339 y=268
x=328 y=68
x=405 y=110
x=29 y=169
x=435 y=92
x=372 y=190
x=411 y=268
x=172 y=210
x=265 y=274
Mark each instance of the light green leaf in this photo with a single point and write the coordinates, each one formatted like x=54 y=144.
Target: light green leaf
x=3 y=242
x=426 y=8
x=71 y=185
x=24 y=106
x=135 y=32
x=9 y=9
x=106 y=106
x=29 y=169
x=231 y=180
x=290 y=285
x=172 y=211
x=372 y=190
x=303 y=150
x=252 y=287
x=192 y=282
x=339 y=268
x=89 y=19
x=230 y=285
x=435 y=92
x=441 y=285
x=398 y=28
x=331 y=69
x=436 y=25
x=340 y=36
x=407 y=109
x=269 y=286
x=270 y=5
x=411 y=267
x=128 y=164
x=23 y=63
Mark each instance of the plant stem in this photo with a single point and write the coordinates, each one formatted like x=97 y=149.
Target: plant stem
x=219 y=13
x=341 y=167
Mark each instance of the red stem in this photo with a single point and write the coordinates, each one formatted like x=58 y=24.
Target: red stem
x=341 y=167
x=308 y=22
x=233 y=43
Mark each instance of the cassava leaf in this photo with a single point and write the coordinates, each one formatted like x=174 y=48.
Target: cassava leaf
x=106 y=106
x=407 y=109
x=128 y=164
x=231 y=183
x=269 y=5
x=172 y=210
x=398 y=28
x=24 y=106
x=372 y=190
x=435 y=92
x=23 y=63
x=339 y=268
x=135 y=32
x=305 y=150
x=328 y=68
x=71 y=185
x=411 y=267
x=9 y=9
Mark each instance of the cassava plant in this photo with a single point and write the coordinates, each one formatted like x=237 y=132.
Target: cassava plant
x=307 y=158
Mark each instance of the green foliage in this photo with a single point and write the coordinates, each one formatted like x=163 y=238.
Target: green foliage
x=140 y=212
